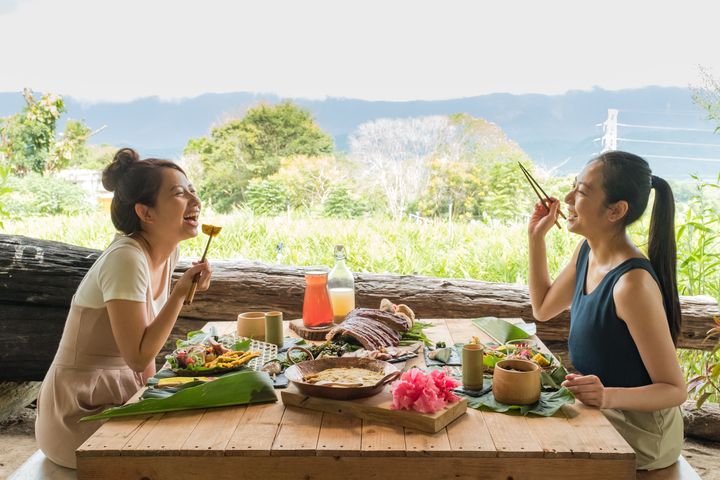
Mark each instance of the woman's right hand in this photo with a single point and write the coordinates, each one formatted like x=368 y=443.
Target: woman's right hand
x=542 y=219
x=185 y=281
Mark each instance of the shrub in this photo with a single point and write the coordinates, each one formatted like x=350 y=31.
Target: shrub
x=266 y=197
x=36 y=195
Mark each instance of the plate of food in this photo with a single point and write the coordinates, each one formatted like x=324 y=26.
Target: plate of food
x=204 y=353
x=342 y=378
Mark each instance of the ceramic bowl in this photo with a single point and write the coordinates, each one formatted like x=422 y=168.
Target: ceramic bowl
x=516 y=382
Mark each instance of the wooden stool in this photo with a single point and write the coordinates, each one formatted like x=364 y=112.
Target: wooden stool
x=680 y=470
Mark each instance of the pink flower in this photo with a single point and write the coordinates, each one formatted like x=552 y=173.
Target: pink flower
x=426 y=393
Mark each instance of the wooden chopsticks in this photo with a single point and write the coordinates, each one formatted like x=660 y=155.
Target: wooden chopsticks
x=546 y=199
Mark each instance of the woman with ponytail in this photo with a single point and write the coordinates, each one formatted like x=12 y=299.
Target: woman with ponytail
x=624 y=307
x=123 y=310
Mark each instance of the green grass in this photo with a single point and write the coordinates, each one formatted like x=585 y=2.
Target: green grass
x=492 y=252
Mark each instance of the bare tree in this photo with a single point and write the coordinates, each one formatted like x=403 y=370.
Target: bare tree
x=397 y=152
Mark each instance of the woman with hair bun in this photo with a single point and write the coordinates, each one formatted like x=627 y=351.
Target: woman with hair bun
x=624 y=307
x=123 y=310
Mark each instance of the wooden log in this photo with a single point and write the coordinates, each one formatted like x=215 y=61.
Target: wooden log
x=16 y=396
x=39 y=277
x=703 y=424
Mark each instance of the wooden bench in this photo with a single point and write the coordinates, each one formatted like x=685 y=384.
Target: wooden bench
x=680 y=470
x=38 y=467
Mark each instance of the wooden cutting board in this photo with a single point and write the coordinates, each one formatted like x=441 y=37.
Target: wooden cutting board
x=316 y=334
x=377 y=408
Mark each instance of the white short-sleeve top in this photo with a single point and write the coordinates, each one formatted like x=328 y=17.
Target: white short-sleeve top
x=121 y=273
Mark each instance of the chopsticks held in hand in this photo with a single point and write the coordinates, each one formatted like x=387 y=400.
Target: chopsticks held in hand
x=546 y=200
x=211 y=231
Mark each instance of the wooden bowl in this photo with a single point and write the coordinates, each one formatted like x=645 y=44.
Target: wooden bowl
x=296 y=374
x=519 y=386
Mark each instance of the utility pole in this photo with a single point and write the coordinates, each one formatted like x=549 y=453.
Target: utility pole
x=609 y=139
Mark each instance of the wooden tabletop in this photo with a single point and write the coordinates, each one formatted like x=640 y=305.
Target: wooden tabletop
x=273 y=441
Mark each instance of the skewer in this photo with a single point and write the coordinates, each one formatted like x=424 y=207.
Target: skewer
x=544 y=200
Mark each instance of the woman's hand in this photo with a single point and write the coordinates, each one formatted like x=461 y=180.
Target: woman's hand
x=586 y=388
x=542 y=219
x=202 y=270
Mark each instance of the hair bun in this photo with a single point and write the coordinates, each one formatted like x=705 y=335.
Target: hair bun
x=122 y=161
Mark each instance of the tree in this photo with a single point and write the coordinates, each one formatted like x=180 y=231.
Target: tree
x=266 y=197
x=429 y=163
x=309 y=180
x=28 y=140
x=395 y=153
x=707 y=96
x=253 y=147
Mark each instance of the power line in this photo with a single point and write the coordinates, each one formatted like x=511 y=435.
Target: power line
x=655 y=127
x=637 y=140
x=672 y=157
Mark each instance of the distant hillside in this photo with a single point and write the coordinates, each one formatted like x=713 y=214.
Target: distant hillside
x=556 y=131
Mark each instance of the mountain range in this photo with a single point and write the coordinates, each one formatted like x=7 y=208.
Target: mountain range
x=559 y=132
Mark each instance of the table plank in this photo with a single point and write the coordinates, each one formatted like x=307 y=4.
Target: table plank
x=340 y=436
x=557 y=437
x=299 y=432
x=110 y=438
x=213 y=432
x=256 y=430
x=140 y=434
x=381 y=439
x=168 y=435
x=596 y=432
x=511 y=435
x=427 y=444
x=438 y=332
x=469 y=436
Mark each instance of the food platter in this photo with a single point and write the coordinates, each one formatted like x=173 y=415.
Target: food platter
x=301 y=374
x=208 y=354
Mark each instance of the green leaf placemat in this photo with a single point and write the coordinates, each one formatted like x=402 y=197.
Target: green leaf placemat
x=549 y=403
x=234 y=389
x=502 y=331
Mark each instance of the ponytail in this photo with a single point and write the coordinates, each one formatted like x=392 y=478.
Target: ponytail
x=628 y=177
x=662 y=252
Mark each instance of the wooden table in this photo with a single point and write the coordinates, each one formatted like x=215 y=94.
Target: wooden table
x=271 y=441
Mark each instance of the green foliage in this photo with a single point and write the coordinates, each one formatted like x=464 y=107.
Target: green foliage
x=266 y=197
x=253 y=148
x=309 y=180
x=475 y=170
x=698 y=242
x=27 y=139
x=340 y=204
x=93 y=157
x=35 y=195
x=4 y=191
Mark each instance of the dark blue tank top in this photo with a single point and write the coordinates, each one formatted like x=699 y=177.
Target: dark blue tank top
x=600 y=342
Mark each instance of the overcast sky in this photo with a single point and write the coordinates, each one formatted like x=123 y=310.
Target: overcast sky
x=370 y=49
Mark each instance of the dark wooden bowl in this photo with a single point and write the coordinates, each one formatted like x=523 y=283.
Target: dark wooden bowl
x=296 y=373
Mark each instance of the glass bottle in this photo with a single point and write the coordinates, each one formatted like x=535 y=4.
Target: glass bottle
x=317 y=312
x=341 y=286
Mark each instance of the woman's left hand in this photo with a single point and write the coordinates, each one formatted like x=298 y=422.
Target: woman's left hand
x=586 y=388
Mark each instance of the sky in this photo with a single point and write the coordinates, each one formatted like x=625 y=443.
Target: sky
x=118 y=50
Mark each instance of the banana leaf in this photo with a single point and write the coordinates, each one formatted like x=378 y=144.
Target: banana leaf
x=502 y=331
x=233 y=389
x=549 y=403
